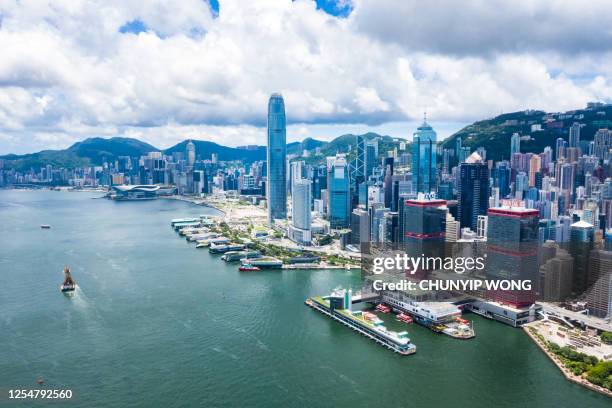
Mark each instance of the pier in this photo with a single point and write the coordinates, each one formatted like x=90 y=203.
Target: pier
x=396 y=342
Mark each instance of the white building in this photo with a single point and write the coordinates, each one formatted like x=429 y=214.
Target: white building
x=299 y=230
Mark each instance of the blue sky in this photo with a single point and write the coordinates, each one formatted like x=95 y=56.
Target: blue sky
x=170 y=71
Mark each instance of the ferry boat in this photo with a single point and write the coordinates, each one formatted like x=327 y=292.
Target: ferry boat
x=248 y=268
x=402 y=317
x=459 y=330
x=382 y=308
x=440 y=317
x=68 y=286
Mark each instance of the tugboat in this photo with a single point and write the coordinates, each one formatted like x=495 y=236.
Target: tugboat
x=69 y=285
x=248 y=268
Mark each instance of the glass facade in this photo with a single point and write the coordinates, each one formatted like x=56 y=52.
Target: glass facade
x=473 y=193
x=424 y=159
x=276 y=193
x=512 y=238
x=339 y=195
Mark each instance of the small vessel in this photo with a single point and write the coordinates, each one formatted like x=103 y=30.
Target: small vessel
x=402 y=317
x=45 y=226
x=383 y=308
x=248 y=268
x=69 y=285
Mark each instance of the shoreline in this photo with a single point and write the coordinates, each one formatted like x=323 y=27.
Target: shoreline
x=576 y=379
x=192 y=200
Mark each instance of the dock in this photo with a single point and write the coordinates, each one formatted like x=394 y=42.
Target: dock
x=396 y=342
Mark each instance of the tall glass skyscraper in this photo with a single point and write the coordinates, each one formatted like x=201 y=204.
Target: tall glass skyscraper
x=424 y=159
x=339 y=194
x=276 y=193
x=473 y=191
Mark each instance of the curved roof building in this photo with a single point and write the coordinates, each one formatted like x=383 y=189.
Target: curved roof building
x=134 y=192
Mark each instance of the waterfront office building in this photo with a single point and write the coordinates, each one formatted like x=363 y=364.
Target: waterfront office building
x=512 y=237
x=582 y=236
x=339 y=193
x=473 y=191
x=276 y=157
x=599 y=293
x=299 y=230
x=422 y=226
x=556 y=276
x=424 y=159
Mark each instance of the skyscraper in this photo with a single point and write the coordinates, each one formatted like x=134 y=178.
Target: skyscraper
x=422 y=226
x=599 y=293
x=339 y=193
x=574 y=135
x=473 y=191
x=190 y=150
x=301 y=215
x=582 y=235
x=371 y=153
x=424 y=159
x=512 y=239
x=515 y=144
x=276 y=193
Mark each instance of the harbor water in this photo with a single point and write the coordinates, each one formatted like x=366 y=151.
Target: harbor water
x=157 y=323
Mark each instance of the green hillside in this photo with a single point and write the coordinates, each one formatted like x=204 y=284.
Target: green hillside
x=494 y=134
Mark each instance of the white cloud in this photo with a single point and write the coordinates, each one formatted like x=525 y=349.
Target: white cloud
x=67 y=71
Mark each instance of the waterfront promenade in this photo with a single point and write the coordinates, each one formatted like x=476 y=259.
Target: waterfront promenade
x=557 y=361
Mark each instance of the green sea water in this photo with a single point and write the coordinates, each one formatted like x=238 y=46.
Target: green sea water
x=158 y=323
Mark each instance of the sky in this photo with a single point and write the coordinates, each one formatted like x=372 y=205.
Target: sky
x=165 y=71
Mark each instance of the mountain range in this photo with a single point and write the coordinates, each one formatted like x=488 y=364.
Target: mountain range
x=97 y=150
x=538 y=128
